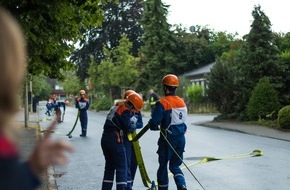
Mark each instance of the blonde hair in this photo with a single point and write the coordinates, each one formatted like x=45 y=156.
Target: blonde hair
x=12 y=64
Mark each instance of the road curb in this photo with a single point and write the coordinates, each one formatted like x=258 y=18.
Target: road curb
x=51 y=182
x=248 y=129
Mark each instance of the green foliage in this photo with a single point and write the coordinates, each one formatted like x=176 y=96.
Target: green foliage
x=118 y=69
x=265 y=123
x=263 y=100
x=221 y=87
x=283 y=41
x=40 y=87
x=157 y=55
x=50 y=27
x=193 y=49
x=284 y=117
x=257 y=58
x=125 y=65
x=201 y=108
x=194 y=93
x=285 y=91
x=181 y=90
x=231 y=55
x=71 y=83
x=93 y=77
x=103 y=103
x=221 y=42
x=120 y=18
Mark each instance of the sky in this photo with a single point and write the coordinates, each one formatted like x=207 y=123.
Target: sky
x=229 y=16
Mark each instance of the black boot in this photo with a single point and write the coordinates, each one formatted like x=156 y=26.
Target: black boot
x=182 y=187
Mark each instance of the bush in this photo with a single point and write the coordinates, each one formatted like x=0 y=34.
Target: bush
x=102 y=103
x=263 y=100
x=284 y=117
x=194 y=93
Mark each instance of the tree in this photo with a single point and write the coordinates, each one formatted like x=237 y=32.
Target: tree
x=119 y=18
x=283 y=41
x=119 y=69
x=285 y=91
x=258 y=58
x=158 y=53
x=191 y=49
x=71 y=83
x=41 y=88
x=201 y=46
x=50 y=27
x=221 y=87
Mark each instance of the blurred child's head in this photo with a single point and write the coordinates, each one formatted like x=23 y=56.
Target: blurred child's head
x=12 y=64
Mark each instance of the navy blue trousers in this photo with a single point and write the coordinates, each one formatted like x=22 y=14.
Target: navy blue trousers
x=166 y=154
x=84 y=121
x=116 y=161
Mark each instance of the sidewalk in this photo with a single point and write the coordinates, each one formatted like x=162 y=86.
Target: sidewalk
x=28 y=139
x=244 y=128
x=249 y=129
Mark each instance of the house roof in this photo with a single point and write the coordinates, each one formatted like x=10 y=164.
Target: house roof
x=199 y=71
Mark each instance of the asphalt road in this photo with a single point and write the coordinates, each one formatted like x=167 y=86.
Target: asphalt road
x=270 y=171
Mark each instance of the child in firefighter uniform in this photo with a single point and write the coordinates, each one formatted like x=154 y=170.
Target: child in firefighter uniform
x=83 y=104
x=57 y=108
x=137 y=122
x=117 y=123
x=170 y=113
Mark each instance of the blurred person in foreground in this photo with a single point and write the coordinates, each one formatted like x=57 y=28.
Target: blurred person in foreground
x=15 y=174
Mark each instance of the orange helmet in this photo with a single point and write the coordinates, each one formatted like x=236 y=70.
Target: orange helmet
x=136 y=100
x=170 y=80
x=128 y=92
x=82 y=92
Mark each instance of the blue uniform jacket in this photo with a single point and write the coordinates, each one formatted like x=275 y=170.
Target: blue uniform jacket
x=119 y=119
x=139 y=123
x=82 y=104
x=163 y=112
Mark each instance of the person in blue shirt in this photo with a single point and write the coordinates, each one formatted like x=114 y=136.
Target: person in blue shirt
x=82 y=104
x=137 y=122
x=118 y=123
x=49 y=106
x=57 y=107
x=170 y=113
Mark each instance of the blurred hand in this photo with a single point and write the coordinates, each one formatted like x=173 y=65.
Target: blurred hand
x=47 y=152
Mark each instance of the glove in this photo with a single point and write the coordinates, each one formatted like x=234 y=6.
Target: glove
x=152 y=128
x=134 y=126
x=133 y=120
